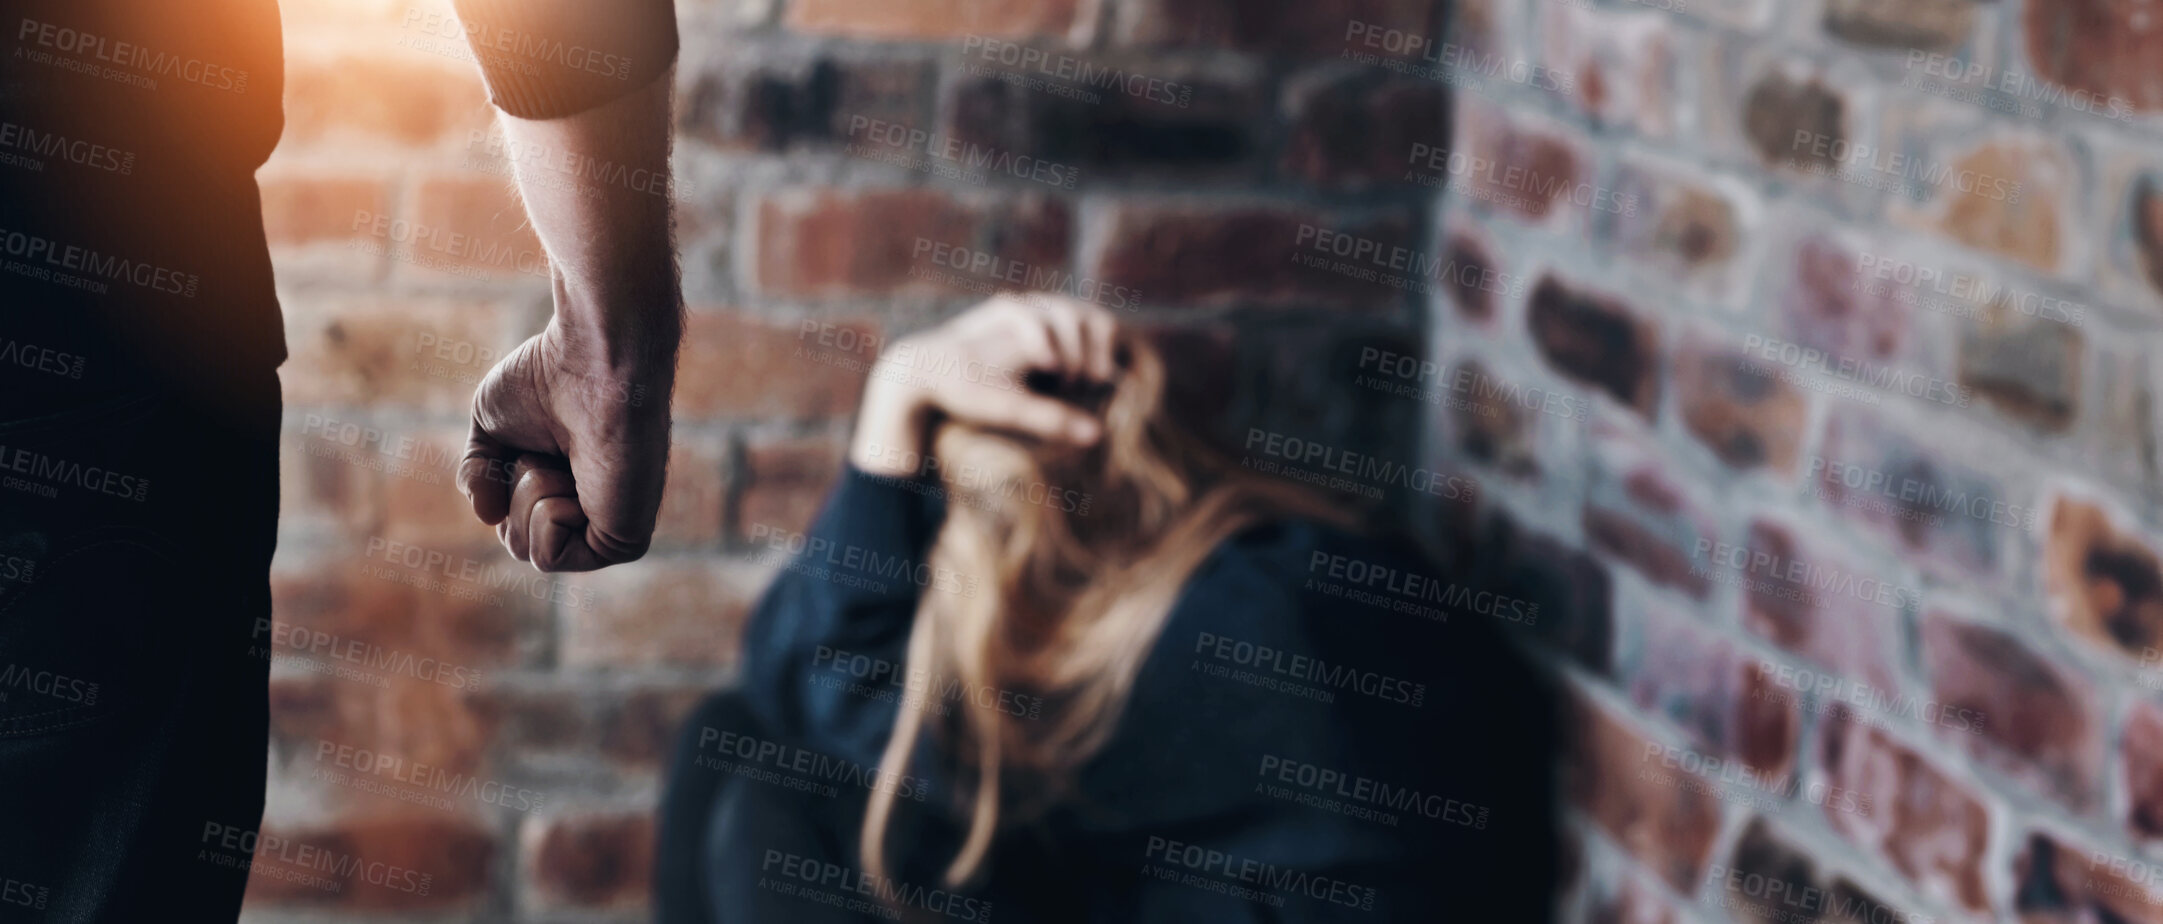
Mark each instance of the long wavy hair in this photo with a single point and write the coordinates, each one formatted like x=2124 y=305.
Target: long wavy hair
x=1079 y=556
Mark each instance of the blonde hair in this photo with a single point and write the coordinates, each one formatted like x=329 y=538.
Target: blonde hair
x=1079 y=556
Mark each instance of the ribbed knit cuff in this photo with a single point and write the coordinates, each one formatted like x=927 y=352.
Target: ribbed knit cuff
x=546 y=59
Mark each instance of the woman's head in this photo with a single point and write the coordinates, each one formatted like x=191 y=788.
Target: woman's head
x=1077 y=555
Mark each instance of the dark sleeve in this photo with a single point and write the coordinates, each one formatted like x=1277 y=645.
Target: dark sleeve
x=824 y=648
x=546 y=59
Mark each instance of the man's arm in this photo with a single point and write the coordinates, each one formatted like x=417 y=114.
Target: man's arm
x=569 y=446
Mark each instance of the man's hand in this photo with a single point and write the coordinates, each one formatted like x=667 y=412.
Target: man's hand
x=569 y=449
x=568 y=456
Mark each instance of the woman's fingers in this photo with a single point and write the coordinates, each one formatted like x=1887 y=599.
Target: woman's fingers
x=1026 y=412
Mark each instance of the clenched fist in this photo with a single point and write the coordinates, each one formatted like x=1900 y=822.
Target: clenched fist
x=569 y=447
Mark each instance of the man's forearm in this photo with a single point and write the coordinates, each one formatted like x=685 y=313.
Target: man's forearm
x=598 y=191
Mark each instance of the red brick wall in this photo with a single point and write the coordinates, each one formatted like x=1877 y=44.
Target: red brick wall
x=1853 y=562
x=412 y=654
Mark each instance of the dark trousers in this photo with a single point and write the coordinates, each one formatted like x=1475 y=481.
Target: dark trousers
x=136 y=535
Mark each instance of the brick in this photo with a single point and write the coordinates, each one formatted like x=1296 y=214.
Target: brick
x=1929 y=826
x=1699 y=681
x=1945 y=514
x=1638 y=513
x=748 y=366
x=2105 y=48
x=2028 y=368
x=1354 y=127
x=1740 y=409
x=301 y=210
x=934 y=19
x=774 y=105
x=1202 y=256
x=1203 y=123
x=785 y=482
x=2055 y=879
x=2141 y=757
x=416 y=721
x=2041 y=723
x=590 y=859
x=1806 y=598
x=2010 y=197
x=529 y=722
x=1673 y=222
x=479 y=226
x=1826 y=305
x=419 y=353
x=376 y=100
x=880 y=242
x=1318 y=27
x=1633 y=900
x=1474 y=278
x=379 y=862
x=371 y=597
x=1926 y=25
x=1780 y=107
x=2147 y=221
x=685 y=613
x=1617 y=69
x=2104 y=577
x=1597 y=341
x=1538 y=172
x=1668 y=828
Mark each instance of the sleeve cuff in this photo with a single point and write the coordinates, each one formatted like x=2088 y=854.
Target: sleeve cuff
x=546 y=59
